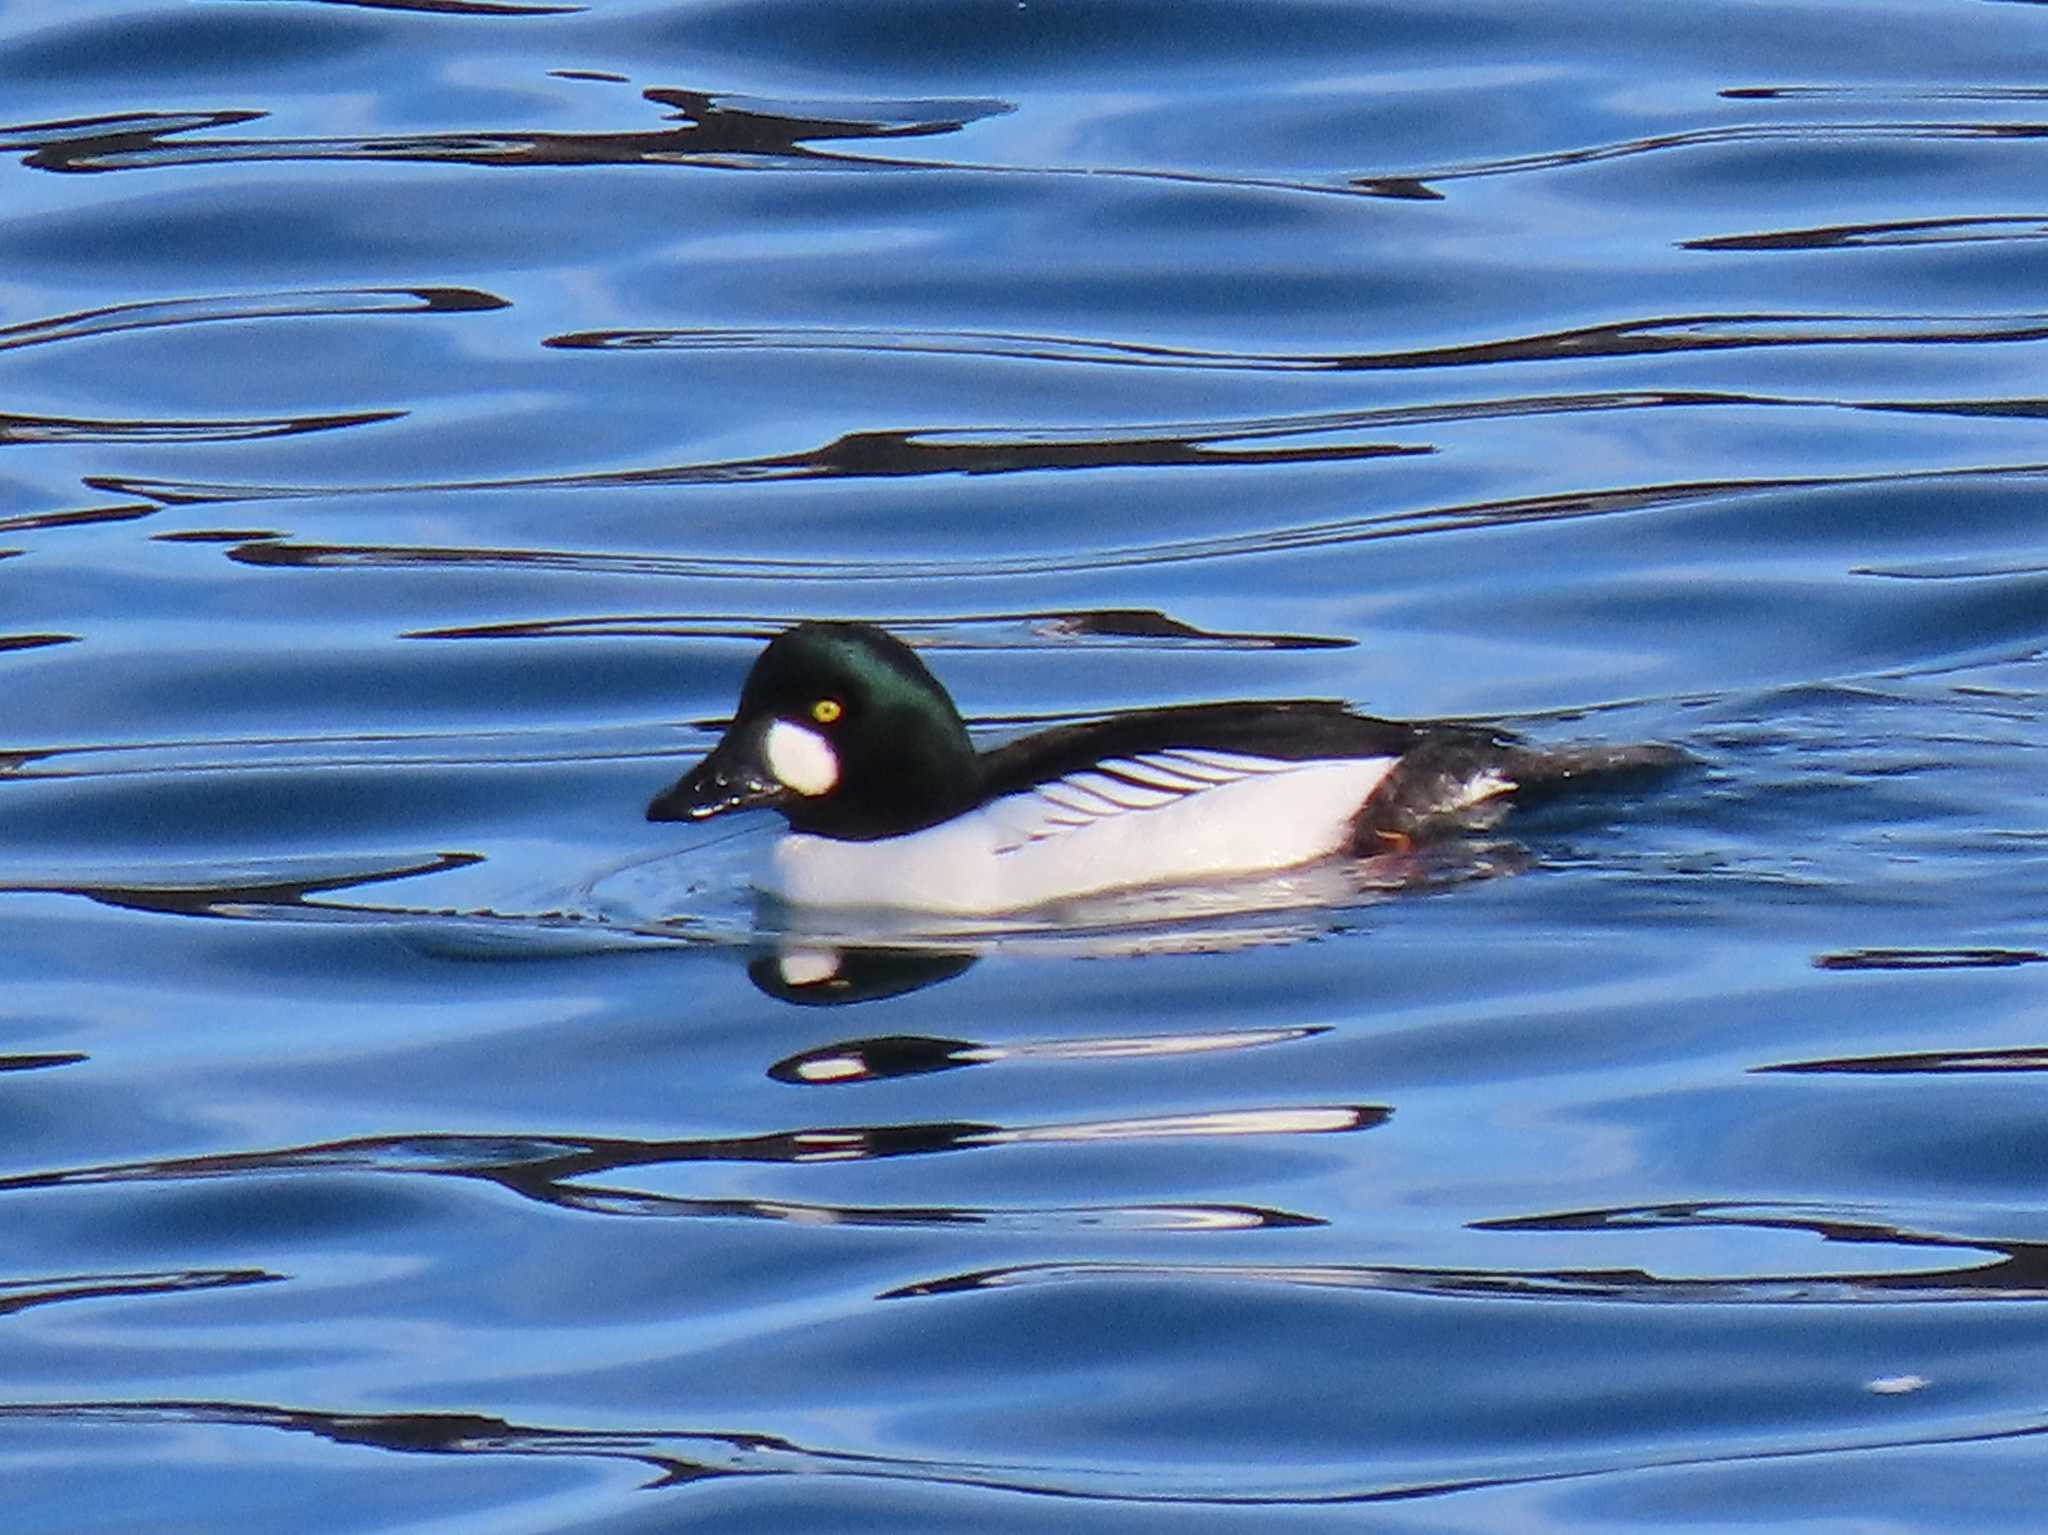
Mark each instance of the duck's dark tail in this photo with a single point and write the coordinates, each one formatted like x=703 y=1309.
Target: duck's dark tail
x=1463 y=780
x=1539 y=772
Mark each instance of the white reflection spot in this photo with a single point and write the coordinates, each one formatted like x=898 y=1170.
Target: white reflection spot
x=807 y=967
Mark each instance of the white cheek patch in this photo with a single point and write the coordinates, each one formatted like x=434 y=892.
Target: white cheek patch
x=801 y=759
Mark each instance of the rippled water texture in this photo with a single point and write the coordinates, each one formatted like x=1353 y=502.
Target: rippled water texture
x=414 y=414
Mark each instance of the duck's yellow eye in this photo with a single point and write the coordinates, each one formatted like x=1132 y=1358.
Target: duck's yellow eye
x=826 y=710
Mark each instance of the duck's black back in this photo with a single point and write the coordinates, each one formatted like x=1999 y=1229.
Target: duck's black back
x=1309 y=731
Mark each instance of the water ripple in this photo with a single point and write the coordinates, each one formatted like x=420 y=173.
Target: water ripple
x=724 y=131
x=907 y=1055
x=219 y=892
x=1901 y=232
x=716 y=130
x=907 y=453
x=1351 y=530
x=306 y=304
x=47 y=429
x=682 y=1458
x=2015 y=1270
x=114 y=129
x=554 y=1169
x=22 y=1294
x=2016 y=1058
x=461 y=7
x=1888 y=92
x=1420 y=183
x=1928 y=959
x=1621 y=338
x=1091 y=629
x=29 y=522
x=246 y=754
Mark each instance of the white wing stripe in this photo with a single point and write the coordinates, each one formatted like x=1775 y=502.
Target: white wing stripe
x=1237 y=764
x=1122 y=788
x=1186 y=769
x=1143 y=773
x=1122 y=793
x=1069 y=795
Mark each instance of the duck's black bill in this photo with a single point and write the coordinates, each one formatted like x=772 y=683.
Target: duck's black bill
x=731 y=778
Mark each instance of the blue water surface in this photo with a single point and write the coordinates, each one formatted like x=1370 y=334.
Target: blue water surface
x=415 y=413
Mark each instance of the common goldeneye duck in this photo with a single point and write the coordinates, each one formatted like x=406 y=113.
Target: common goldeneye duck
x=842 y=729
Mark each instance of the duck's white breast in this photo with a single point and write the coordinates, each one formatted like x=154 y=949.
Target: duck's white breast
x=1171 y=818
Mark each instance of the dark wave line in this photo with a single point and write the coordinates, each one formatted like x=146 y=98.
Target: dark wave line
x=2021 y=409
x=1887 y=92
x=905 y=453
x=2015 y=1058
x=462 y=7
x=1900 y=232
x=728 y=132
x=2017 y=1268
x=252 y=754
x=1698 y=138
x=1367 y=529
x=723 y=131
x=685 y=1457
x=1043 y=1220
x=1632 y=1286
x=1954 y=570
x=28 y=522
x=1145 y=628
x=917 y=452
x=284 y=884
x=24 y=1294
x=214 y=535
x=555 y=1170
x=720 y=132
x=1928 y=959
x=2012 y=1270
x=49 y=429
x=1623 y=338
x=116 y=128
x=307 y=304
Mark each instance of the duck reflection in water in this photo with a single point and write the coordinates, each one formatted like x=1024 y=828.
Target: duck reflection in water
x=823 y=975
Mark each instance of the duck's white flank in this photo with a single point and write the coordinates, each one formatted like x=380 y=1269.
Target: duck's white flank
x=1160 y=818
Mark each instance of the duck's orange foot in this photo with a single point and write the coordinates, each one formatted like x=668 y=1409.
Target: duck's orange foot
x=1396 y=841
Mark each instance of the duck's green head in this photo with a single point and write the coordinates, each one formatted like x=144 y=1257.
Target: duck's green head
x=840 y=728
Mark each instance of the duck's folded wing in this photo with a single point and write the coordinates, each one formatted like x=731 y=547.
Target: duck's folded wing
x=1117 y=788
